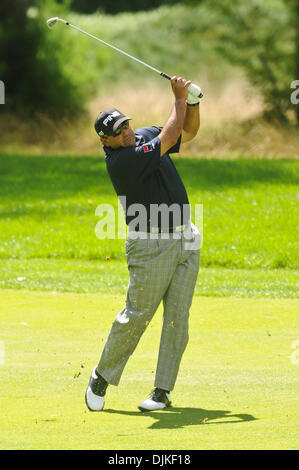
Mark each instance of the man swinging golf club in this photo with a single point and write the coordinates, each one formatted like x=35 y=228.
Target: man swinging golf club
x=161 y=264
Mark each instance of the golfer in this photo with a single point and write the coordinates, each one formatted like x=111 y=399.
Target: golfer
x=161 y=253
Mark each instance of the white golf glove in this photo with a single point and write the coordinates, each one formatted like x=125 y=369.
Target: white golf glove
x=194 y=94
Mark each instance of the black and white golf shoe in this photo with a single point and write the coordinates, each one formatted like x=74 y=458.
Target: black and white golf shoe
x=95 y=392
x=158 y=400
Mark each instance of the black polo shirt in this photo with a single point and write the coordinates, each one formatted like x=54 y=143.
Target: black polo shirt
x=140 y=174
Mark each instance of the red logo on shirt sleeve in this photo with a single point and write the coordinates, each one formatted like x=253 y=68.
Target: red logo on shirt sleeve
x=147 y=147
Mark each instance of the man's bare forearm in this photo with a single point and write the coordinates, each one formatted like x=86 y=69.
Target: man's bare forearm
x=192 y=120
x=174 y=125
x=175 y=122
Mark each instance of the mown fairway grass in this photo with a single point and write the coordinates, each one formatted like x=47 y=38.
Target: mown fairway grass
x=238 y=383
x=112 y=277
x=237 y=387
x=250 y=209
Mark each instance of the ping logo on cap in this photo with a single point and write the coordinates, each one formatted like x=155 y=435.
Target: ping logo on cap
x=110 y=118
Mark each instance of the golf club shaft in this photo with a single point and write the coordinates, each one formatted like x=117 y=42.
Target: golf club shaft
x=118 y=50
x=193 y=89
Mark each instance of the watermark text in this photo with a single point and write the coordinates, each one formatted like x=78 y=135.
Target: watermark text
x=295 y=94
x=295 y=354
x=2 y=92
x=2 y=353
x=154 y=221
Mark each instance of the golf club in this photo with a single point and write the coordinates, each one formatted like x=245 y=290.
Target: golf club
x=193 y=89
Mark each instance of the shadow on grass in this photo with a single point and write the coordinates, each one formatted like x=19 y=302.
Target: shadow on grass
x=175 y=418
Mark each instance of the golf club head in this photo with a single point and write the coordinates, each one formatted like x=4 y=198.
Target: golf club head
x=51 y=22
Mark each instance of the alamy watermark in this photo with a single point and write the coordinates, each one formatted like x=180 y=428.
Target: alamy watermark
x=2 y=92
x=2 y=353
x=295 y=353
x=295 y=94
x=157 y=220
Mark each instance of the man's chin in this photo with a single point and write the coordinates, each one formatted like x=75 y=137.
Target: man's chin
x=129 y=142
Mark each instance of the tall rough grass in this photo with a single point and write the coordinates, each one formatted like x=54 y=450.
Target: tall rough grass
x=231 y=125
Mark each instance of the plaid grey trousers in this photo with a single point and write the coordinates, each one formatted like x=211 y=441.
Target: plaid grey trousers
x=160 y=270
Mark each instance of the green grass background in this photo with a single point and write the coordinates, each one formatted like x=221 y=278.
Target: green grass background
x=250 y=209
x=61 y=287
x=237 y=387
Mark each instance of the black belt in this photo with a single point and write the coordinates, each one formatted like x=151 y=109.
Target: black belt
x=178 y=228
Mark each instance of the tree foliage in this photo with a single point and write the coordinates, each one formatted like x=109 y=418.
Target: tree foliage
x=34 y=80
x=296 y=16
x=117 y=6
x=262 y=38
